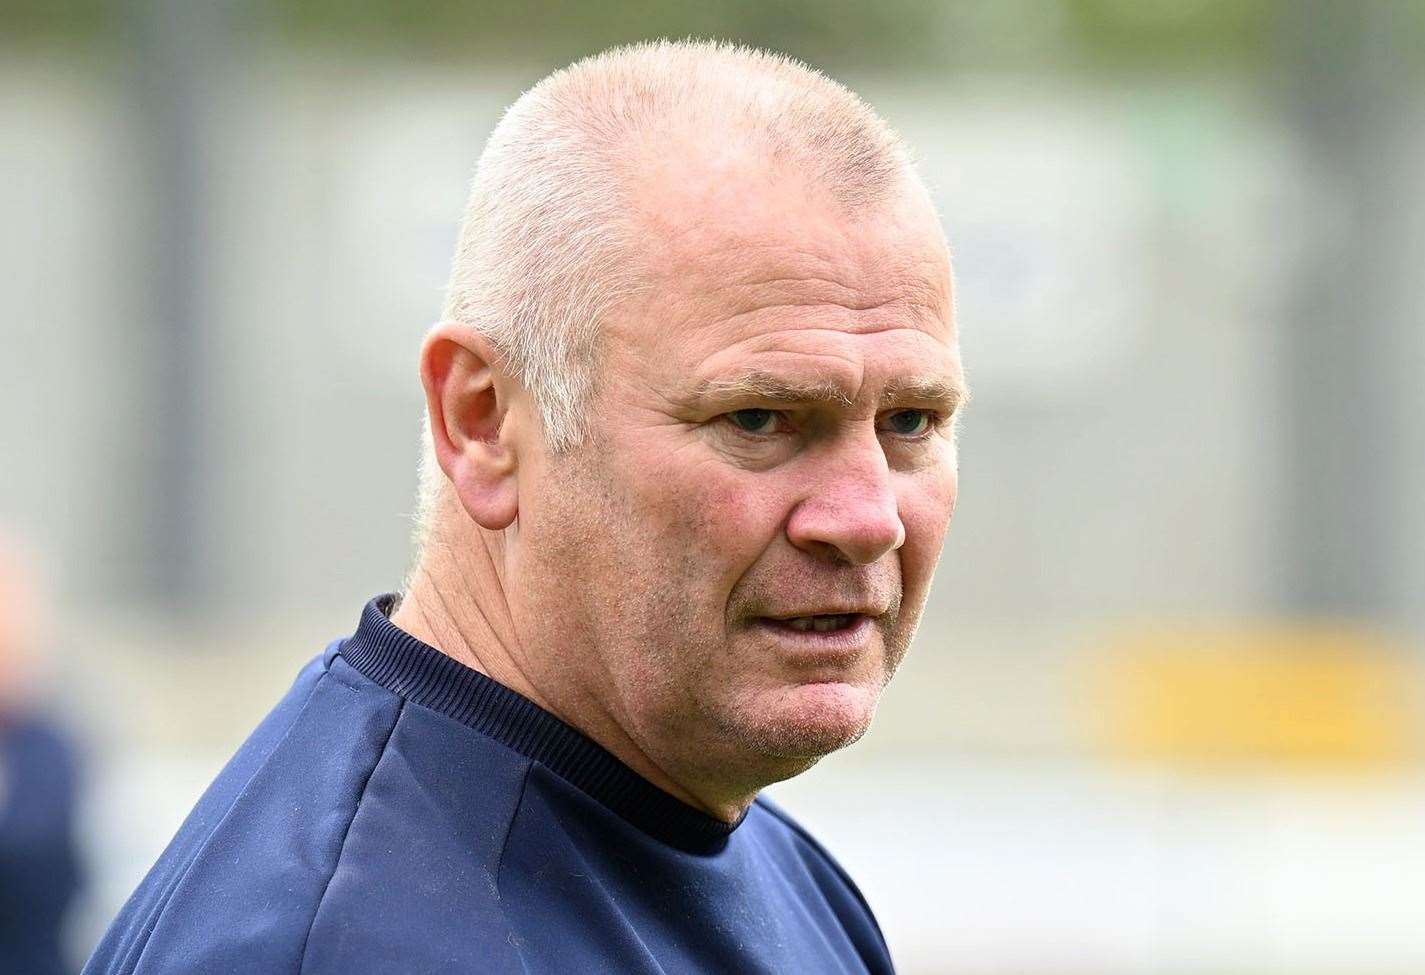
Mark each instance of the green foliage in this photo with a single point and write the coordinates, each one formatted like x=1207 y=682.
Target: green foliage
x=59 y=19
x=1157 y=33
x=928 y=36
x=840 y=31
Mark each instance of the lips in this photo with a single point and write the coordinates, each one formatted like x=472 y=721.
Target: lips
x=819 y=630
x=821 y=623
x=824 y=623
x=827 y=643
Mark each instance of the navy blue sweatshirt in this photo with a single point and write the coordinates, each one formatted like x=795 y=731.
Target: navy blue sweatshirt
x=399 y=812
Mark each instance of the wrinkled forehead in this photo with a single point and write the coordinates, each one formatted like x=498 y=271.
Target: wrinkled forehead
x=762 y=248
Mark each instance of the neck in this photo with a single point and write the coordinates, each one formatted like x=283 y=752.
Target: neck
x=469 y=621
x=456 y=602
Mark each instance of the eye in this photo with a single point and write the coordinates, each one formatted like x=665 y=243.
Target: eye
x=754 y=421
x=910 y=423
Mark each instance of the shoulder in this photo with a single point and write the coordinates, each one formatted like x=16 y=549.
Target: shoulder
x=785 y=821
x=304 y=843
x=259 y=846
x=830 y=878
x=798 y=835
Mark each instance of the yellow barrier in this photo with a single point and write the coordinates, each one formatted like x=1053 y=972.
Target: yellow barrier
x=1325 y=696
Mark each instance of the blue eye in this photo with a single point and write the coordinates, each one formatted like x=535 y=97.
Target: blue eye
x=909 y=423
x=754 y=421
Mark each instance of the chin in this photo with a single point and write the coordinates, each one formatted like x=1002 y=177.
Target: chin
x=808 y=721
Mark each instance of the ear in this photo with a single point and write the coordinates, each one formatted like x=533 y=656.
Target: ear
x=468 y=400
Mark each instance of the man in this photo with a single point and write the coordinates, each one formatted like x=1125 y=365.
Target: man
x=40 y=869
x=690 y=464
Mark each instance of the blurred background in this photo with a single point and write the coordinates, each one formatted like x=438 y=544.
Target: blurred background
x=1165 y=712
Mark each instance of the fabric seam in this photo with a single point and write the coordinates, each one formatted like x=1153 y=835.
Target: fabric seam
x=509 y=831
x=336 y=864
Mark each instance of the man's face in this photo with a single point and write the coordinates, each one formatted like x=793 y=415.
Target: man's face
x=737 y=559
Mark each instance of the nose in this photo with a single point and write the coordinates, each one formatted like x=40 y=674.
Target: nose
x=852 y=513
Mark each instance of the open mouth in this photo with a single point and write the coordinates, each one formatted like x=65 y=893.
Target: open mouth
x=827 y=623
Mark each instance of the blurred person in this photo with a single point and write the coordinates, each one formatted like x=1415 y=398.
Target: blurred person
x=690 y=461
x=39 y=861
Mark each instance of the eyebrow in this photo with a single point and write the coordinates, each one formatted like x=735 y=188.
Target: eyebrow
x=771 y=388
x=946 y=395
x=942 y=394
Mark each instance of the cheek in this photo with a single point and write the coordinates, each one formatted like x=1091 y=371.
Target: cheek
x=744 y=505
x=925 y=510
x=725 y=517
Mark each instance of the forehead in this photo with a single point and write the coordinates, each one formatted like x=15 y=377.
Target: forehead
x=763 y=272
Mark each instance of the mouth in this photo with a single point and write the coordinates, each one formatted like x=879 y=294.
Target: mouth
x=830 y=638
x=820 y=623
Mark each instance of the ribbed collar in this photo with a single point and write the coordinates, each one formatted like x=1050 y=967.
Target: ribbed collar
x=418 y=672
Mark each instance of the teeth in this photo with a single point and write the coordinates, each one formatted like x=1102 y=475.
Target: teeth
x=818 y=624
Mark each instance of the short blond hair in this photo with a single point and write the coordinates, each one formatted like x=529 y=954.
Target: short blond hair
x=546 y=246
